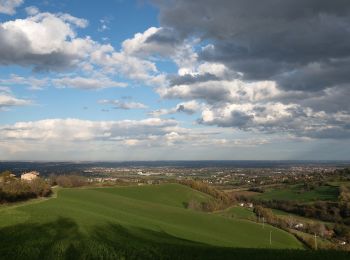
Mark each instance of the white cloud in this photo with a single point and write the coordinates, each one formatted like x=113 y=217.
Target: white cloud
x=45 y=32
x=189 y=107
x=256 y=106
x=5 y=89
x=222 y=90
x=140 y=45
x=147 y=132
x=276 y=117
x=49 y=42
x=140 y=70
x=32 y=10
x=8 y=100
x=9 y=6
x=104 y=24
x=117 y=104
x=78 y=130
x=86 y=83
x=45 y=41
x=31 y=82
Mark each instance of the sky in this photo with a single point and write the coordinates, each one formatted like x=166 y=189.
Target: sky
x=174 y=80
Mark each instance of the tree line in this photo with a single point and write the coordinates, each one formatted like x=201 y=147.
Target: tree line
x=327 y=231
x=13 y=189
x=221 y=200
x=68 y=181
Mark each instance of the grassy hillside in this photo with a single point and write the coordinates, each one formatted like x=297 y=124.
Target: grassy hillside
x=170 y=194
x=238 y=212
x=325 y=192
x=132 y=222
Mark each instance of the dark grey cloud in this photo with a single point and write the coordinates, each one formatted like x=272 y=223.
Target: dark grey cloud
x=270 y=39
x=316 y=76
x=330 y=100
x=164 y=36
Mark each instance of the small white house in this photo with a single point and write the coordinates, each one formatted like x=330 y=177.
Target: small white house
x=299 y=225
x=29 y=176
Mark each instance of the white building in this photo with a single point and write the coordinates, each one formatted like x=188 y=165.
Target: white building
x=250 y=205
x=299 y=225
x=29 y=176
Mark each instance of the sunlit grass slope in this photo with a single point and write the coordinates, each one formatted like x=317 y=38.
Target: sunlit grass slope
x=148 y=221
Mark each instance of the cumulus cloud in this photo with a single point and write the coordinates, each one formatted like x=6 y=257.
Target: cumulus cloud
x=268 y=66
x=117 y=104
x=132 y=67
x=75 y=129
x=151 y=133
x=162 y=44
x=279 y=118
x=50 y=42
x=189 y=108
x=9 y=6
x=30 y=82
x=268 y=39
x=153 y=41
x=242 y=64
x=45 y=41
x=5 y=89
x=86 y=83
x=259 y=105
x=214 y=91
x=8 y=100
x=32 y=10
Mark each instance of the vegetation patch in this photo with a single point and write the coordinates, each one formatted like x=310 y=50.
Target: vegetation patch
x=238 y=212
x=301 y=193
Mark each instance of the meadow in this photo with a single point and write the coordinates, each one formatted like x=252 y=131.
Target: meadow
x=238 y=212
x=295 y=193
x=147 y=222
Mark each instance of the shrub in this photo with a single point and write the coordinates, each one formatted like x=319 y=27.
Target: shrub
x=68 y=181
x=16 y=190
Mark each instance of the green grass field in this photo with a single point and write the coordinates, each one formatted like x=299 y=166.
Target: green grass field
x=293 y=193
x=238 y=212
x=148 y=222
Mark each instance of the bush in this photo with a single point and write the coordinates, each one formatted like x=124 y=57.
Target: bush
x=16 y=190
x=194 y=205
x=222 y=199
x=69 y=181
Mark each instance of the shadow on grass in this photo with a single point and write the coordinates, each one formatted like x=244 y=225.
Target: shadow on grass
x=61 y=239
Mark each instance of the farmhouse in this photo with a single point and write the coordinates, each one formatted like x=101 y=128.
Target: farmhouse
x=29 y=176
x=299 y=225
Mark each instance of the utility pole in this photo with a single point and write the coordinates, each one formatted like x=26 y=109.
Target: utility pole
x=263 y=219
x=270 y=238
x=315 y=242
